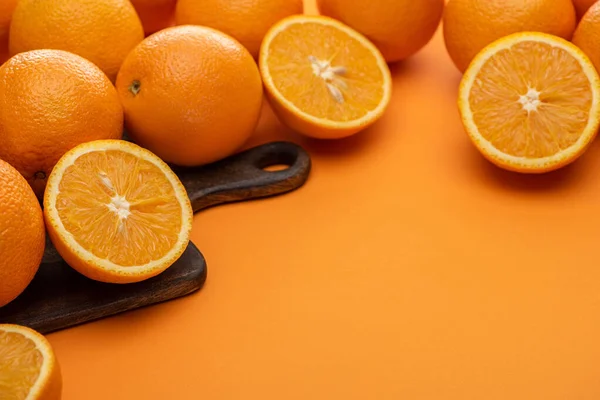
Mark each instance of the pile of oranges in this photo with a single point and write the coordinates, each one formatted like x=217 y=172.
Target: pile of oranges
x=186 y=79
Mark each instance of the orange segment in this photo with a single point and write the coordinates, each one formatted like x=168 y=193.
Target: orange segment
x=530 y=102
x=323 y=78
x=28 y=366
x=116 y=212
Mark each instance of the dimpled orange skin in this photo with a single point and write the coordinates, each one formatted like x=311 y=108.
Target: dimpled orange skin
x=155 y=14
x=6 y=10
x=581 y=6
x=51 y=101
x=104 y=31
x=587 y=35
x=470 y=25
x=22 y=234
x=191 y=94
x=246 y=20
x=399 y=28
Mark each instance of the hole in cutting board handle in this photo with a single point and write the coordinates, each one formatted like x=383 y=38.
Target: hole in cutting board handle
x=276 y=167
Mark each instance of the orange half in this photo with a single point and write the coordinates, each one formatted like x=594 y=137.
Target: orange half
x=116 y=212
x=28 y=366
x=530 y=102
x=323 y=78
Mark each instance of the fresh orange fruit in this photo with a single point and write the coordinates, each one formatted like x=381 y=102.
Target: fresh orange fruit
x=22 y=235
x=399 y=28
x=323 y=78
x=470 y=25
x=50 y=101
x=245 y=20
x=155 y=14
x=116 y=212
x=104 y=31
x=192 y=95
x=6 y=10
x=28 y=366
x=581 y=6
x=530 y=102
x=587 y=35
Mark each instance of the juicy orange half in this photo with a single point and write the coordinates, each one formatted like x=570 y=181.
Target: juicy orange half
x=116 y=212
x=530 y=102
x=28 y=367
x=323 y=78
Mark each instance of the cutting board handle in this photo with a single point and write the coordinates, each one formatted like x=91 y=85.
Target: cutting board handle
x=243 y=176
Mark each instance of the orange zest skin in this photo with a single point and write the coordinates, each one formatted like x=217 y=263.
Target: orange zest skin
x=323 y=78
x=530 y=102
x=116 y=212
x=28 y=367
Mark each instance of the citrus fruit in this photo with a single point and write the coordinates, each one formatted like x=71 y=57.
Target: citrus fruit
x=50 y=101
x=399 y=28
x=104 y=31
x=587 y=34
x=28 y=366
x=116 y=212
x=6 y=10
x=22 y=234
x=155 y=14
x=323 y=79
x=530 y=102
x=245 y=20
x=581 y=6
x=470 y=25
x=192 y=95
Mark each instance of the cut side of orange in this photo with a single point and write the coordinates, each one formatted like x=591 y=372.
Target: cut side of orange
x=323 y=78
x=116 y=212
x=530 y=102
x=28 y=366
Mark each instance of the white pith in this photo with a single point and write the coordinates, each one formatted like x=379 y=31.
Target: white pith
x=530 y=100
x=43 y=376
x=330 y=74
x=119 y=205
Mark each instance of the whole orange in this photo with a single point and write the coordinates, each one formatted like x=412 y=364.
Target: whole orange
x=587 y=34
x=399 y=28
x=470 y=25
x=104 y=31
x=6 y=10
x=581 y=6
x=191 y=94
x=246 y=20
x=51 y=101
x=155 y=14
x=22 y=234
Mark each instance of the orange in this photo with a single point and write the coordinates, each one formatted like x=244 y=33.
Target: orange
x=587 y=35
x=104 y=31
x=470 y=25
x=155 y=14
x=530 y=102
x=399 y=28
x=28 y=366
x=581 y=6
x=192 y=95
x=50 y=101
x=22 y=234
x=245 y=20
x=6 y=10
x=116 y=212
x=323 y=78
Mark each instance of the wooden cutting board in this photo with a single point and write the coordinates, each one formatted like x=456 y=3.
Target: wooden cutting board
x=59 y=297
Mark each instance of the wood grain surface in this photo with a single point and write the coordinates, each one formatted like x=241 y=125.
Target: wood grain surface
x=59 y=297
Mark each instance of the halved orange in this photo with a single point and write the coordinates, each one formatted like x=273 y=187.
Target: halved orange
x=530 y=102
x=116 y=212
x=323 y=78
x=28 y=366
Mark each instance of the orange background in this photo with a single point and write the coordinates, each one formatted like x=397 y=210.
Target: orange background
x=406 y=268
